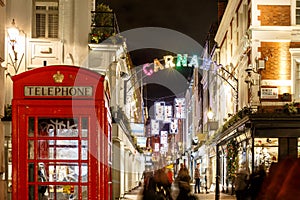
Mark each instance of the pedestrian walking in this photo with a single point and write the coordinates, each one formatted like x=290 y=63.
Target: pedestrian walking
x=170 y=175
x=197 y=178
x=163 y=183
x=183 y=180
x=256 y=181
x=241 y=183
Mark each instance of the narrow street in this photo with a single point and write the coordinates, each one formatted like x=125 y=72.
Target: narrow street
x=136 y=195
x=139 y=100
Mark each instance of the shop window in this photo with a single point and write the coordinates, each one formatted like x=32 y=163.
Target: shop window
x=265 y=151
x=46 y=18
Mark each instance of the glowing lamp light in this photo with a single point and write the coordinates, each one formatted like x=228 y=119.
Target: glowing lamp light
x=13 y=35
x=13 y=32
x=210 y=114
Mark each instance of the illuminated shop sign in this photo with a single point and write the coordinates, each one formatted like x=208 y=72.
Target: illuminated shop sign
x=181 y=60
x=69 y=91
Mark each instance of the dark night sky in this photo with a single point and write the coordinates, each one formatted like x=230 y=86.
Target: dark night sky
x=190 y=17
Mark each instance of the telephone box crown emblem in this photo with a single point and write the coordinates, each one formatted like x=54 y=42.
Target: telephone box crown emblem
x=58 y=77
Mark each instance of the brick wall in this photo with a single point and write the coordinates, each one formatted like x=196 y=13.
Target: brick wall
x=278 y=66
x=274 y=15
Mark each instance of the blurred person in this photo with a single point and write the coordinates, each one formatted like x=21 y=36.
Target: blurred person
x=241 y=183
x=183 y=181
x=149 y=192
x=256 y=181
x=282 y=182
x=205 y=180
x=183 y=174
x=170 y=175
x=197 y=178
x=291 y=185
x=162 y=182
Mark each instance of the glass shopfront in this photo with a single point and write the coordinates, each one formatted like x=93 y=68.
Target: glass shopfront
x=265 y=152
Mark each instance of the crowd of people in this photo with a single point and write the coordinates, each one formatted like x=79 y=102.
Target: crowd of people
x=282 y=182
x=158 y=183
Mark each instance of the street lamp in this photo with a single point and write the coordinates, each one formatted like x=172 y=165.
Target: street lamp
x=13 y=35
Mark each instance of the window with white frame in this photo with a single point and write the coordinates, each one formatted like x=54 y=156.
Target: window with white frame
x=298 y=12
x=46 y=18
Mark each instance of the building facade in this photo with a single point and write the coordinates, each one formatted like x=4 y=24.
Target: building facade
x=253 y=85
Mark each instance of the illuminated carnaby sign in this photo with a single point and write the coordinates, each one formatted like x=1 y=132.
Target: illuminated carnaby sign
x=181 y=60
x=67 y=91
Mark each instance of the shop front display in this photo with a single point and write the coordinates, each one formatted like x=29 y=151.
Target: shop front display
x=265 y=152
x=61 y=135
x=259 y=139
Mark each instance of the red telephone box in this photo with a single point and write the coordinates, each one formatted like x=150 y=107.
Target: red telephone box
x=61 y=135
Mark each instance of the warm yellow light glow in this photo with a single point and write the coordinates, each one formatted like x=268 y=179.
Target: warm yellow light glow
x=284 y=65
x=13 y=32
x=210 y=114
x=284 y=89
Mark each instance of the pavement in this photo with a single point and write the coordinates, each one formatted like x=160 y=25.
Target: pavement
x=137 y=195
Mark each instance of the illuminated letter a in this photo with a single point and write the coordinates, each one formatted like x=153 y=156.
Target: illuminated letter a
x=194 y=62
x=157 y=65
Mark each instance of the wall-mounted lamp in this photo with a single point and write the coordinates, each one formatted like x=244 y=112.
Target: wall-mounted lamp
x=210 y=114
x=259 y=66
x=13 y=35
